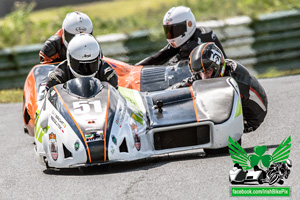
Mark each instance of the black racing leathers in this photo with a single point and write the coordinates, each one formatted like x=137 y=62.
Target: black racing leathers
x=62 y=74
x=53 y=49
x=201 y=35
x=254 y=98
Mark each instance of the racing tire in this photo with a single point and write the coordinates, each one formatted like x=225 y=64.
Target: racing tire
x=224 y=150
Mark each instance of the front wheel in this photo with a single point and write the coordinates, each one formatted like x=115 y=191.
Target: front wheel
x=224 y=150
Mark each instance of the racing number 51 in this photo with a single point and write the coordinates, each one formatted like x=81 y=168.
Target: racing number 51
x=81 y=107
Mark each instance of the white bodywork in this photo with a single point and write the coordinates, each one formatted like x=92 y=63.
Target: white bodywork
x=126 y=125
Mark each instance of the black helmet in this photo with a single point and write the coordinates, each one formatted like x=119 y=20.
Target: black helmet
x=206 y=56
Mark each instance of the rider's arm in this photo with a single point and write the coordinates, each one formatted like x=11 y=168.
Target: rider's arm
x=107 y=73
x=59 y=75
x=52 y=50
x=160 y=57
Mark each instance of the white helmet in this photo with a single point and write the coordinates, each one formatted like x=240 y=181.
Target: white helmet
x=84 y=55
x=74 y=23
x=179 y=25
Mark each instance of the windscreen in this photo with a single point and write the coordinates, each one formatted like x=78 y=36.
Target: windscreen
x=84 y=87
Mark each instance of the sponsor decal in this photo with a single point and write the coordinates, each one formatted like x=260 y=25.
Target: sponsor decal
x=80 y=29
x=259 y=168
x=86 y=55
x=114 y=139
x=120 y=116
x=53 y=146
x=137 y=118
x=112 y=149
x=76 y=146
x=91 y=129
x=58 y=121
x=130 y=97
x=137 y=142
x=169 y=19
x=94 y=136
x=136 y=138
x=91 y=121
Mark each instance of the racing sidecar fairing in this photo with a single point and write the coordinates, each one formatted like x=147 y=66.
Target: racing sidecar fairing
x=86 y=122
x=141 y=78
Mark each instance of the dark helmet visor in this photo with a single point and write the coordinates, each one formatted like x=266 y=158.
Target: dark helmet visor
x=69 y=36
x=175 y=30
x=85 y=67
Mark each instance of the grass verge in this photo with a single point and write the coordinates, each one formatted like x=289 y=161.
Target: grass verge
x=11 y=96
x=272 y=73
x=123 y=16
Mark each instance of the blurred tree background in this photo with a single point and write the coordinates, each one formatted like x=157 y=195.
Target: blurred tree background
x=23 y=26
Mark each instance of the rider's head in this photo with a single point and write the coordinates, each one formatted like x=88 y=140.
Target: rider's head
x=74 y=23
x=179 y=25
x=207 y=61
x=84 y=55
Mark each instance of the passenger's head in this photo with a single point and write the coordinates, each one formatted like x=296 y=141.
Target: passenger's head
x=207 y=61
x=74 y=23
x=179 y=25
x=84 y=55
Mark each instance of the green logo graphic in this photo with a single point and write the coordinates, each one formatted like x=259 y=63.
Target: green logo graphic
x=240 y=156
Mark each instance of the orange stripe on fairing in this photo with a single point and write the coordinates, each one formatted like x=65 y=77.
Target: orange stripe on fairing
x=201 y=55
x=194 y=102
x=105 y=126
x=87 y=147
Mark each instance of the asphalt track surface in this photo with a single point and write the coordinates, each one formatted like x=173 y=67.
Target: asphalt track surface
x=176 y=176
